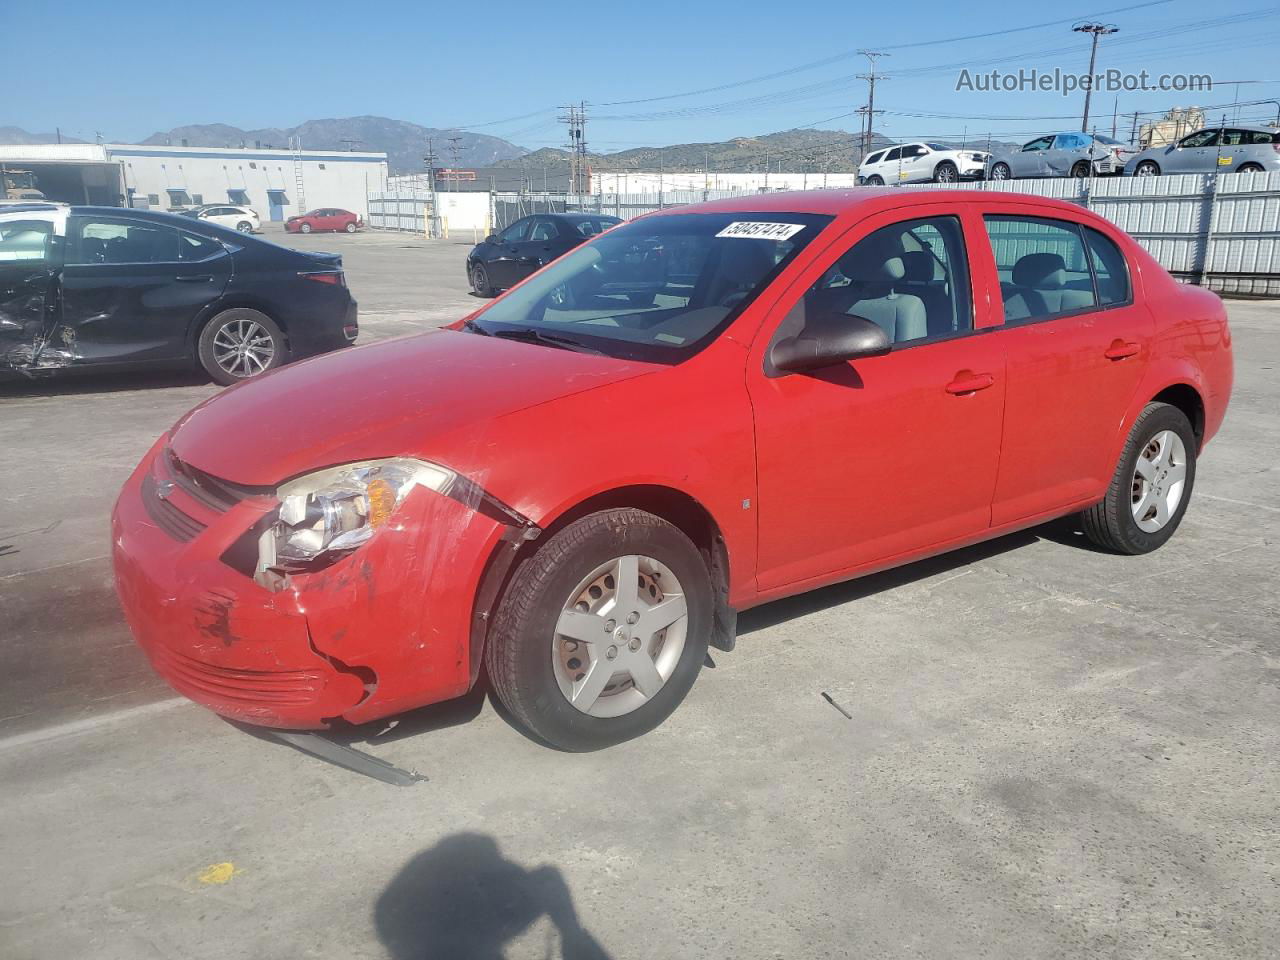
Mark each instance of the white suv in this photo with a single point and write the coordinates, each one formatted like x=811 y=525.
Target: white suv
x=921 y=162
x=244 y=219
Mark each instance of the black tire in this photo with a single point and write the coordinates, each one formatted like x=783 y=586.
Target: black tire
x=305 y=228
x=244 y=226
x=518 y=654
x=1001 y=171
x=1081 y=169
x=1152 y=168
x=351 y=227
x=945 y=172
x=480 y=281
x=1110 y=523
x=1249 y=168
x=205 y=351
x=875 y=180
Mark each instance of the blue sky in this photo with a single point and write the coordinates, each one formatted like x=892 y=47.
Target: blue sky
x=442 y=64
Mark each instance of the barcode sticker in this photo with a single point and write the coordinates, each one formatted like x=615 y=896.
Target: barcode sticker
x=761 y=230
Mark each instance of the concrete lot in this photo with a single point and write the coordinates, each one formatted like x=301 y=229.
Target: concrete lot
x=1053 y=751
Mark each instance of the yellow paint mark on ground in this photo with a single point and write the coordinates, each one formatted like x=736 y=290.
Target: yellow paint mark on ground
x=218 y=873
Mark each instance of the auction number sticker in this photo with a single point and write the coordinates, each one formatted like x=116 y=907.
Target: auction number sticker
x=761 y=230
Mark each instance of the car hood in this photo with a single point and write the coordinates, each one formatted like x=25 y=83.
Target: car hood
x=396 y=398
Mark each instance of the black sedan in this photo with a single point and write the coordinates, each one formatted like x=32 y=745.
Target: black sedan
x=109 y=288
x=506 y=258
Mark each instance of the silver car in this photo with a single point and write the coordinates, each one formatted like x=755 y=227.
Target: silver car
x=1064 y=155
x=1227 y=149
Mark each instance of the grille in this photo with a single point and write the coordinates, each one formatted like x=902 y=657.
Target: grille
x=219 y=495
x=168 y=517
x=224 y=684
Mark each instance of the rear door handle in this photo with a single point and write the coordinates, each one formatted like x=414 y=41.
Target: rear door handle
x=203 y=278
x=967 y=381
x=1120 y=349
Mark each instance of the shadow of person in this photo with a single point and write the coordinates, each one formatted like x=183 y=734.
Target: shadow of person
x=463 y=900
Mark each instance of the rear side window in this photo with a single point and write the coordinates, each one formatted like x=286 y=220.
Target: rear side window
x=1109 y=268
x=893 y=154
x=26 y=240
x=193 y=247
x=875 y=157
x=543 y=230
x=1043 y=267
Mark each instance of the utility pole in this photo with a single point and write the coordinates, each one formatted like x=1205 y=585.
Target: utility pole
x=1114 y=107
x=871 y=77
x=1095 y=30
x=453 y=157
x=576 y=117
x=430 y=161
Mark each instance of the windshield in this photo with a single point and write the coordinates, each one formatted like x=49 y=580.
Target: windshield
x=938 y=146
x=659 y=288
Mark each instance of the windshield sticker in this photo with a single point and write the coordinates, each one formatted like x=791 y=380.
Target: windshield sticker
x=760 y=230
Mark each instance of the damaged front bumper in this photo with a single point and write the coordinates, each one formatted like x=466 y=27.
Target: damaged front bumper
x=382 y=630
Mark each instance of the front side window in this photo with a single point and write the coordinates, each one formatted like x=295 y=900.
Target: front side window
x=1201 y=138
x=517 y=232
x=656 y=289
x=30 y=241
x=1043 y=267
x=911 y=279
x=915 y=150
x=1041 y=143
x=128 y=241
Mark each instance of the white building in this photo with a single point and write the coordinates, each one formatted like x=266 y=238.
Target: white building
x=275 y=183
x=650 y=181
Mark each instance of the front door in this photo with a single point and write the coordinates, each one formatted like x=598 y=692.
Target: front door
x=1077 y=346
x=1030 y=159
x=131 y=289
x=1195 y=153
x=28 y=288
x=503 y=264
x=871 y=460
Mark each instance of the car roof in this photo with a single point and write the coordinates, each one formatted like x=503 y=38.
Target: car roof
x=578 y=217
x=863 y=201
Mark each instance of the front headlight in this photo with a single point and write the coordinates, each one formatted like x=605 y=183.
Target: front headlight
x=334 y=511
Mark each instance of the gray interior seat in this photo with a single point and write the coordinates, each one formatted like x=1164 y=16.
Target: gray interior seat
x=874 y=274
x=923 y=280
x=1039 y=289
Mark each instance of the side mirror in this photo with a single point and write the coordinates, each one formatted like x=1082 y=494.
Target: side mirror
x=829 y=339
x=491 y=238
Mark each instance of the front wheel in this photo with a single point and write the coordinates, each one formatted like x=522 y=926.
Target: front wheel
x=1147 y=168
x=946 y=172
x=240 y=343
x=602 y=631
x=1152 y=485
x=351 y=227
x=480 y=281
x=1001 y=171
x=305 y=228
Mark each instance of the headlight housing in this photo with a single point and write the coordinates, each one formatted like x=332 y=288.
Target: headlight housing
x=332 y=512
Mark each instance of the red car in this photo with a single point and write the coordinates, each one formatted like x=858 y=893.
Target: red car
x=579 y=487
x=328 y=218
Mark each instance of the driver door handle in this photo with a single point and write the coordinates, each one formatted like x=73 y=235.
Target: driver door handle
x=202 y=278
x=966 y=382
x=1120 y=349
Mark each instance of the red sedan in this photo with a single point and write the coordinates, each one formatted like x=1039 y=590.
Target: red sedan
x=327 y=218
x=699 y=411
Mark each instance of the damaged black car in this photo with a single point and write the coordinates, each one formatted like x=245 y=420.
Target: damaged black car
x=110 y=289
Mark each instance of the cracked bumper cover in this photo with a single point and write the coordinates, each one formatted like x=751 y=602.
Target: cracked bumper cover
x=381 y=631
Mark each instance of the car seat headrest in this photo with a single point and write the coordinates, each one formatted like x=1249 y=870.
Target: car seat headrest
x=1040 y=271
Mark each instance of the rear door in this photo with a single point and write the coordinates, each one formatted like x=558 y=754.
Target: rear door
x=1067 y=150
x=131 y=289
x=1077 y=345
x=30 y=248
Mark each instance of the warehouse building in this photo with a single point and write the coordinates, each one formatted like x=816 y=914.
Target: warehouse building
x=275 y=183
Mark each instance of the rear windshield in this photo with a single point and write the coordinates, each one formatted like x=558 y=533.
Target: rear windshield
x=659 y=288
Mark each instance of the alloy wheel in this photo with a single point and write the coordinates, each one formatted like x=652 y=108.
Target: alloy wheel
x=1159 y=479
x=1146 y=169
x=999 y=172
x=243 y=348
x=620 y=636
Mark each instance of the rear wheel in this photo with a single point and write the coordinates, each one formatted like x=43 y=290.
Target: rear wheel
x=1001 y=171
x=239 y=344
x=1249 y=168
x=946 y=172
x=351 y=227
x=1147 y=168
x=305 y=228
x=875 y=181
x=1152 y=485
x=1081 y=169
x=602 y=631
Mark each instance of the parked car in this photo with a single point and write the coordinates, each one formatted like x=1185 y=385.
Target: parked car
x=921 y=162
x=106 y=288
x=326 y=218
x=1225 y=149
x=1071 y=154
x=502 y=260
x=241 y=219
x=581 y=493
